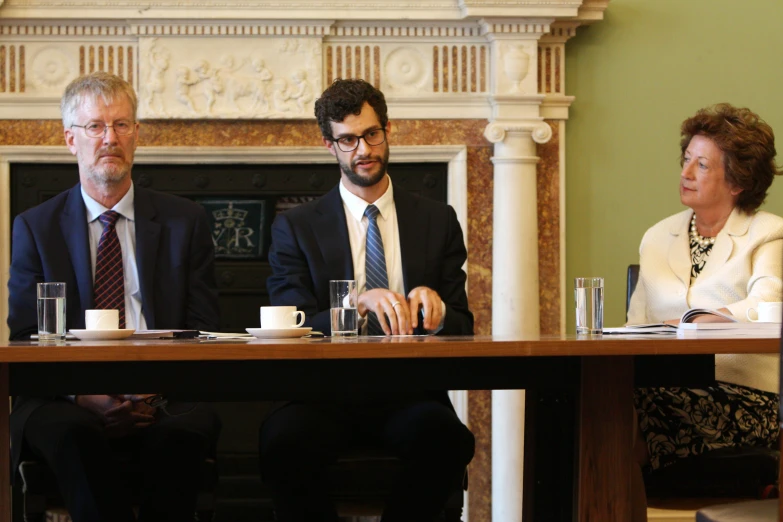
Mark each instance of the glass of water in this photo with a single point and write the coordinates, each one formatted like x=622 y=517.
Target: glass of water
x=51 y=311
x=343 y=300
x=589 y=295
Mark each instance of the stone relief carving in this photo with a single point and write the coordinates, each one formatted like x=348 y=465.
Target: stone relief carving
x=158 y=64
x=405 y=70
x=275 y=78
x=51 y=70
x=516 y=64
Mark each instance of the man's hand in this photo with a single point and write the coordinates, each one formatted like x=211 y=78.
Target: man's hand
x=119 y=415
x=391 y=308
x=429 y=302
x=139 y=403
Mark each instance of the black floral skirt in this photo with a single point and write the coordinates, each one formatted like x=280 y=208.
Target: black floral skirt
x=679 y=422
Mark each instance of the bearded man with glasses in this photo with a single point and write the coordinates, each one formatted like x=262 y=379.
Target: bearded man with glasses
x=406 y=255
x=116 y=246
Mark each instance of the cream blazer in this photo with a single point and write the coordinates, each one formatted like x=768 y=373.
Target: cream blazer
x=743 y=268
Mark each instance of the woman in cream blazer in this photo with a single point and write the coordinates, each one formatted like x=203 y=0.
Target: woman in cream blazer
x=720 y=253
x=744 y=268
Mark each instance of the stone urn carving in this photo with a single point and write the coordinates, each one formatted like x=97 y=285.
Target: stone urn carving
x=516 y=64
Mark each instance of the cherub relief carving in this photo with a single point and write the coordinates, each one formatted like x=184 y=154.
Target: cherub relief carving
x=184 y=82
x=156 y=84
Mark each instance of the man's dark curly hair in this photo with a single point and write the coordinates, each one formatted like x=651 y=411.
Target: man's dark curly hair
x=346 y=97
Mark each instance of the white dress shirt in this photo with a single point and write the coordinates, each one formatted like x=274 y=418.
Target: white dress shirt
x=357 y=236
x=126 y=232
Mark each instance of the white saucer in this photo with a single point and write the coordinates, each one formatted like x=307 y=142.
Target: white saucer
x=102 y=335
x=278 y=333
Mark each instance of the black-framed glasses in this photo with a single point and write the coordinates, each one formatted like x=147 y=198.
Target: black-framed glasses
x=350 y=143
x=98 y=129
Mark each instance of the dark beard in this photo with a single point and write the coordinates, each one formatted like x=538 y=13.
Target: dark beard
x=360 y=181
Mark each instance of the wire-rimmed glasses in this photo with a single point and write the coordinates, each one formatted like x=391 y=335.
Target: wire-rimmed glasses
x=350 y=142
x=98 y=129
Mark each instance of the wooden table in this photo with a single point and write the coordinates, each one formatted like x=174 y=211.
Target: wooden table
x=599 y=369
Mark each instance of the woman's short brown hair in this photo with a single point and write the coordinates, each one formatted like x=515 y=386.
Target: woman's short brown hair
x=748 y=146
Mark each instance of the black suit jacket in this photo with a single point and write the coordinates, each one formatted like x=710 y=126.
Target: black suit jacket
x=310 y=246
x=175 y=260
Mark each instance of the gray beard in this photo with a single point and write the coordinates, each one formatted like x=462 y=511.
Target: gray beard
x=107 y=177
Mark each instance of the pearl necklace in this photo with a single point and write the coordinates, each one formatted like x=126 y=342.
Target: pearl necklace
x=703 y=242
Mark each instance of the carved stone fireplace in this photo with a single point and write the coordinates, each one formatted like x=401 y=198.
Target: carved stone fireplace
x=477 y=84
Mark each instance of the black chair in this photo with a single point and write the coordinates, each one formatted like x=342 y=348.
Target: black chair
x=41 y=493
x=732 y=473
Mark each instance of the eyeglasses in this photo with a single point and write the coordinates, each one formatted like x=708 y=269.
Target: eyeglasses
x=351 y=143
x=98 y=129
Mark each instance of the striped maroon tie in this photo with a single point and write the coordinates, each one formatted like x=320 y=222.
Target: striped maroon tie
x=109 y=277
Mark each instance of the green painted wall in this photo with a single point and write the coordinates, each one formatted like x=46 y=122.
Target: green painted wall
x=636 y=76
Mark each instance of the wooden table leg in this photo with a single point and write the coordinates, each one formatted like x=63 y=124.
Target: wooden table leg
x=605 y=440
x=5 y=447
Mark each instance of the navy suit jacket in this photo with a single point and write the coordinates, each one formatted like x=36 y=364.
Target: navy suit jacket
x=175 y=260
x=174 y=254
x=310 y=246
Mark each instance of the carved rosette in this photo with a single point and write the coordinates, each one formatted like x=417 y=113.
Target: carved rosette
x=51 y=69
x=405 y=70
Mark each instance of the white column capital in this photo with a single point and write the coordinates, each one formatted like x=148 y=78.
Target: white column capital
x=539 y=130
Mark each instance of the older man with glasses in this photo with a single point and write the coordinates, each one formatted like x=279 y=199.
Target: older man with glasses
x=116 y=246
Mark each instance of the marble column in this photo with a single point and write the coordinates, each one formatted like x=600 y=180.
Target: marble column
x=515 y=128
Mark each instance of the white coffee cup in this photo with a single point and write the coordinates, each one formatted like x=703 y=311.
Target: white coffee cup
x=102 y=319
x=766 y=312
x=277 y=317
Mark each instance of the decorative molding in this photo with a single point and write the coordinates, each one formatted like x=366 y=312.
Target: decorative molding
x=539 y=131
x=241 y=67
x=515 y=28
x=560 y=32
x=292 y=9
x=555 y=107
x=239 y=28
x=592 y=11
x=408 y=29
x=189 y=77
x=10 y=27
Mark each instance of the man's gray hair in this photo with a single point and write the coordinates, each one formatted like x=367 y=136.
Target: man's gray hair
x=107 y=86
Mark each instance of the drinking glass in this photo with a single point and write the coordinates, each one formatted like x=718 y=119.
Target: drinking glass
x=343 y=301
x=51 y=311
x=589 y=295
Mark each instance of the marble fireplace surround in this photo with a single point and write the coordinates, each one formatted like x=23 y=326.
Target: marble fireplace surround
x=497 y=65
x=455 y=156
